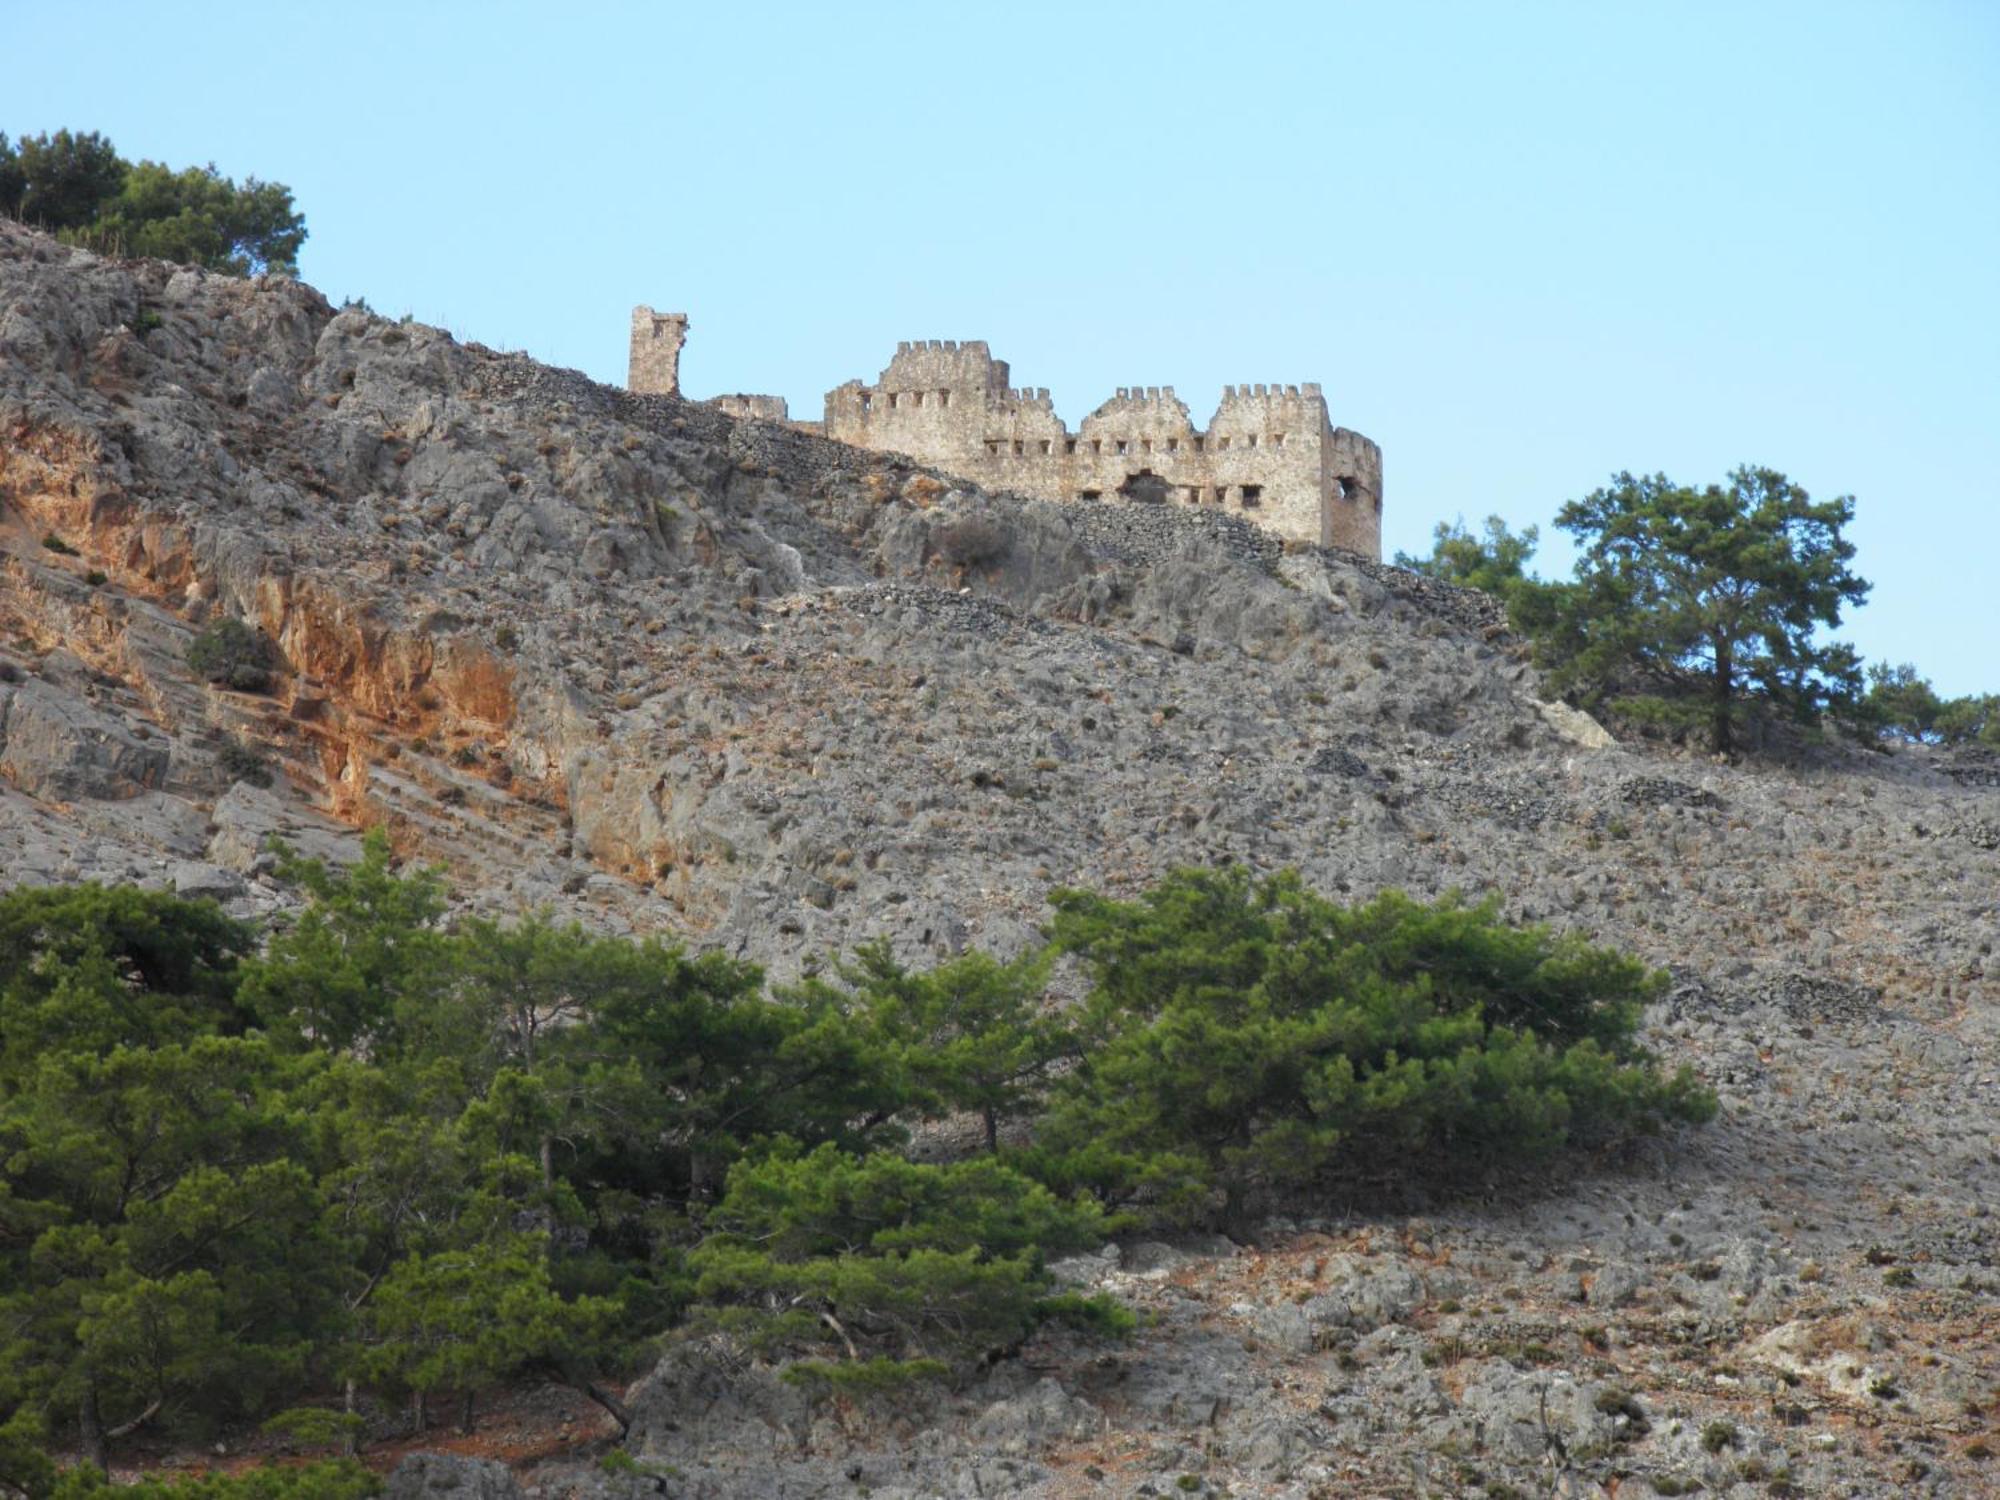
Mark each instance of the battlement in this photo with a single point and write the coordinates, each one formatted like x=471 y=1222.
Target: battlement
x=1270 y=452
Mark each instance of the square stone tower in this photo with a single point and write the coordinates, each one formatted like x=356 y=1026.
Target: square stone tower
x=655 y=368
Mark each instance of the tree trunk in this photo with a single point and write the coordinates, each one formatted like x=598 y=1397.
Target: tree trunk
x=465 y=1414
x=420 y=1413
x=620 y=1413
x=1724 y=690
x=350 y=1437
x=992 y=1133
x=90 y=1428
x=548 y=1155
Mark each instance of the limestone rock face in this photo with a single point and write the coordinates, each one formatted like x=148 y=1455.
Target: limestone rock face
x=57 y=747
x=441 y=1476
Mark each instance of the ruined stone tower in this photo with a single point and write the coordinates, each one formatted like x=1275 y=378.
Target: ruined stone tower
x=655 y=368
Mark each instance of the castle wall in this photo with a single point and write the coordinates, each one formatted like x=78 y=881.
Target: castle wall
x=1269 y=453
x=759 y=408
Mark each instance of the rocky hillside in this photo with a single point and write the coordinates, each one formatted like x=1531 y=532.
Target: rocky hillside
x=626 y=657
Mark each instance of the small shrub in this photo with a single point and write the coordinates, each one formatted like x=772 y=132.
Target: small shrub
x=58 y=546
x=96 y=578
x=231 y=654
x=970 y=540
x=1899 y=1276
x=241 y=761
x=147 y=320
x=1717 y=1435
x=507 y=638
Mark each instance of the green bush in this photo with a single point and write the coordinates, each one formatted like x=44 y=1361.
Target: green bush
x=437 y=1157
x=334 y=1479
x=231 y=654
x=901 y=1266
x=1244 y=1037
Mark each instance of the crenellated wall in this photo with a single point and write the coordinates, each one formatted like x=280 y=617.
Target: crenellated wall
x=1269 y=453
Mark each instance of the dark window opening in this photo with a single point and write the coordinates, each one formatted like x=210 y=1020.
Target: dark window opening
x=1090 y=494
x=1173 y=445
x=1046 y=446
x=1253 y=496
x=866 y=402
x=1124 y=446
x=944 y=398
x=993 y=447
x=1146 y=486
x=1069 y=445
x=1200 y=444
x=1019 y=447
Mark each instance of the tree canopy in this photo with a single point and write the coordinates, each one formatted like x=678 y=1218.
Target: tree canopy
x=78 y=186
x=1686 y=602
x=416 y=1159
x=1495 y=560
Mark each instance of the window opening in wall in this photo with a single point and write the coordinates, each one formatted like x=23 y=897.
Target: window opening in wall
x=1173 y=445
x=1222 y=443
x=1047 y=445
x=1090 y=494
x=1194 y=494
x=895 y=399
x=1253 y=496
x=1069 y=445
x=1253 y=439
x=1147 y=444
x=1097 y=445
x=1019 y=447
x=1124 y=445
x=1278 y=441
x=944 y=398
x=993 y=446
x=866 y=402
x=1147 y=486
x=1221 y=494
x=1200 y=444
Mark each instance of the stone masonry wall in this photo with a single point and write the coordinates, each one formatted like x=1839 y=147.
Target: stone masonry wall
x=1269 y=453
x=655 y=367
x=757 y=408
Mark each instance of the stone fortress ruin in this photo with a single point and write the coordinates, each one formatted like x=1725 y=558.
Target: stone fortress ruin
x=1270 y=453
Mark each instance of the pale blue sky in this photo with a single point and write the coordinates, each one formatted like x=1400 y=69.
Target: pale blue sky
x=1521 y=245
